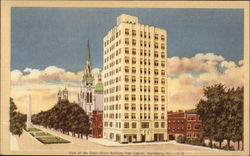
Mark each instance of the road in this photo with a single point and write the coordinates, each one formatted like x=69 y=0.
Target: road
x=28 y=143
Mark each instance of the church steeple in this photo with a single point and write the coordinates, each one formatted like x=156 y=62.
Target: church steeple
x=88 y=57
x=88 y=66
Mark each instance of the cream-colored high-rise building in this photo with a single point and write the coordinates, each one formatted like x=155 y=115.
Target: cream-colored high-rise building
x=135 y=82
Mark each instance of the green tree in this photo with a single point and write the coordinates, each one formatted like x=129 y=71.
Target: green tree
x=65 y=117
x=221 y=110
x=17 y=119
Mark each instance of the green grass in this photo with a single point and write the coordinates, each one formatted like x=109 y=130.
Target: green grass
x=42 y=134
x=33 y=129
x=52 y=140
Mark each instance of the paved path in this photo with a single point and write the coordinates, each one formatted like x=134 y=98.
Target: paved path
x=14 y=144
x=27 y=142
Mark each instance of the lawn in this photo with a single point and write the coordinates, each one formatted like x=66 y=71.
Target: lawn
x=52 y=140
x=33 y=129
x=42 y=134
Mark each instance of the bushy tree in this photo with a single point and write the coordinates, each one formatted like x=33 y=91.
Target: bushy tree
x=221 y=110
x=65 y=117
x=17 y=119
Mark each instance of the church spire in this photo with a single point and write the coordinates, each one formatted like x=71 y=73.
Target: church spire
x=88 y=66
x=88 y=57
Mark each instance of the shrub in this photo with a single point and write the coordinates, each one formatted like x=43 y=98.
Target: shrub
x=188 y=141
x=215 y=146
x=231 y=148
x=181 y=139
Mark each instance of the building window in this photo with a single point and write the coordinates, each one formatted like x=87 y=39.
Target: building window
x=133 y=79
x=197 y=126
x=156 y=54
x=156 y=72
x=126 y=97
x=156 y=36
x=163 y=72
x=133 y=51
x=133 y=97
x=126 y=41
x=133 y=124
x=156 y=89
x=133 y=115
x=163 y=90
x=134 y=42
x=126 y=50
x=126 y=87
x=133 y=88
x=133 y=107
x=126 y=124
x=162 y=107
x=163 y=125
x=126 y=69
x=162 y=46
x=126 y=106
x=133 y=60
x=189 y=126
x=126 y=115
x=126 y=59
x=162 y=115
x=133 y=70
x=162 y=98
x=163 y=63
x=162 y=55
x=156 y=98
x=145 y=125
x=126 y=78
x=134 y=32
x=127 y=31
x=163 y=81
x=156 y=63
x=156 y=124
x=155 y=115
x=162 y=37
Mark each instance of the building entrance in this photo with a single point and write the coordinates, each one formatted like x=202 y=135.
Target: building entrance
x=158 y=137
x=171 y=137
x=143 y=138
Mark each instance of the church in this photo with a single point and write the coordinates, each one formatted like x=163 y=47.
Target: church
x=90 y=96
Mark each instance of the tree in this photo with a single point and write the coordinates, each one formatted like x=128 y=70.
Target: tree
x=221 y=110
x=65 y=117
x=237 y=111
x=17 y=119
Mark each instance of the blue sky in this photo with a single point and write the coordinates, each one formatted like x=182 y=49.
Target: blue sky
x=43 y=37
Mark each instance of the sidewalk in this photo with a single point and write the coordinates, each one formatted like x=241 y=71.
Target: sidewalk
x=13 y=143
x=106 y=142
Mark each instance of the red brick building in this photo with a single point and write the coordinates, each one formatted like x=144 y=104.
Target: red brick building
x=193 y=125
x=187 y=124
x=176 y=124
x=97 y=126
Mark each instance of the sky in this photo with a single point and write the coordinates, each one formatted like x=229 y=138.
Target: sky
x=205 y=46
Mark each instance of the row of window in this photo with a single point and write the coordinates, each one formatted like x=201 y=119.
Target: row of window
x=127 y=32
x=176 y=121
x=133 y=70
x=145 y=34
x=133 y=107
x=143 y=98
x=146 y=79
x=176 y=128
x=192 y=134
x=133 y=89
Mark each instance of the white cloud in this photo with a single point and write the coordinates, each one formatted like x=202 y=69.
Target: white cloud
x=188 y=77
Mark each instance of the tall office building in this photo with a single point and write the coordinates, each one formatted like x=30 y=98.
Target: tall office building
x=135 y=82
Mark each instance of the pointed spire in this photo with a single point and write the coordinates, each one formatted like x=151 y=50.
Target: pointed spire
x=88 y=66
x=88 y=57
